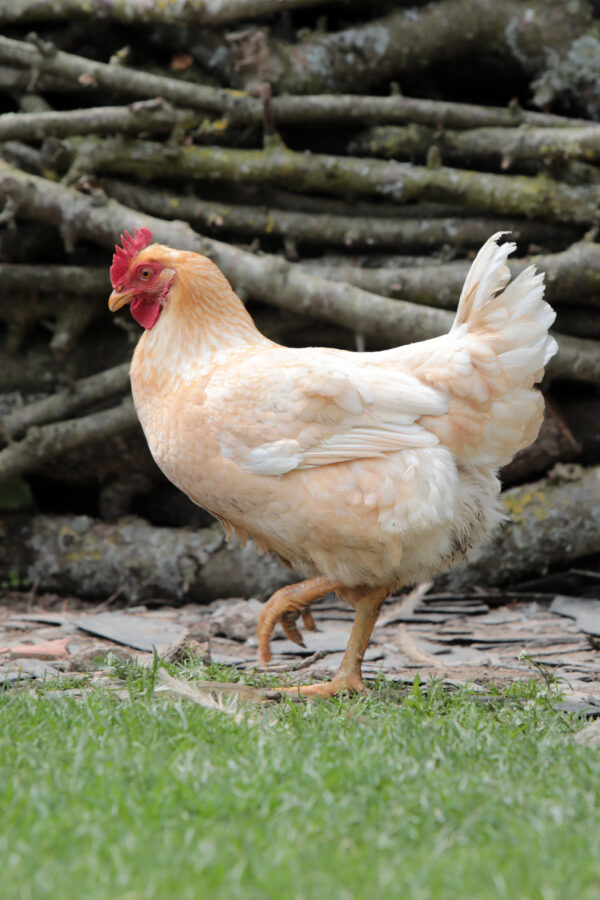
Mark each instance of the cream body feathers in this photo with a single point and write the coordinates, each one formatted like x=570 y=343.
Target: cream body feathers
x=369 y=468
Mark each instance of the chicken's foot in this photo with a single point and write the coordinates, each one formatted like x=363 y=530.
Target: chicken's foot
x=349 y=676
x=285 y=606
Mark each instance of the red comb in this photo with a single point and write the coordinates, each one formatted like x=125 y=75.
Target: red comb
x=123 y=255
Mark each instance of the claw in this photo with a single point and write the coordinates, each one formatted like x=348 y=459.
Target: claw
x=288 y=623
x=309 y=622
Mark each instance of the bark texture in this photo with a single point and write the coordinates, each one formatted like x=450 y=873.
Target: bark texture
x=266 y=278
x=549 y=524
x=93 y=559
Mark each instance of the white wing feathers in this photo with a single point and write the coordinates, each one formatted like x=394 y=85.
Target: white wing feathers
x=337 y=410
x=471 y=390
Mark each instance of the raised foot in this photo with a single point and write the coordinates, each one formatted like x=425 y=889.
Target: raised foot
x=285 y=607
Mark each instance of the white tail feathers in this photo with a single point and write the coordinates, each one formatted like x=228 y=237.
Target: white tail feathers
x=515 y=321
x=502 y=330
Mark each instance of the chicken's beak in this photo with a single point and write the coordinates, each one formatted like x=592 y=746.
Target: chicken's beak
x=118 y=299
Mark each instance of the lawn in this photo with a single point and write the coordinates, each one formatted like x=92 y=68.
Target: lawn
x=408 y=793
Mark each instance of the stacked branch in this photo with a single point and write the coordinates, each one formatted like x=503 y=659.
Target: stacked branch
x=282 y=183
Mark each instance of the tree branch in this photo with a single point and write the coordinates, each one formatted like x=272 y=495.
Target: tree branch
x=125 y=81
x=145 y=12
x=54 y=279
x=57 y=406
x=493 y=147
x=67 y=71
x=267 y=278
x=411 y=40
x=513 y=195
x=549 y=524
x=46 y=442
x=91 y=558
x=145 y=115
x=353 y=109
x=571 y=277
x=324 y=229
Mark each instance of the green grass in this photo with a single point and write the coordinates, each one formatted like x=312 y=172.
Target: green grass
x=399 y=795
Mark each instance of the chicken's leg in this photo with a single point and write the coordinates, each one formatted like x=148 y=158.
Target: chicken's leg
x=285 y=606
x=349 y=676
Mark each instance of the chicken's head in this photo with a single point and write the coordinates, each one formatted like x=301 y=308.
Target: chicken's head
x=139 y=278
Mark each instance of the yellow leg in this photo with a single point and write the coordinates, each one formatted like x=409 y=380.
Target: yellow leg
x=285 y=606
x=349 y=676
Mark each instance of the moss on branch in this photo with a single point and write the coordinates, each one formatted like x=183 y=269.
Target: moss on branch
x=493 y=147
x=267 y=278
x=571 y=277
x=351 y=230
x=411 y=40
x=152 y=116
x=538 y=197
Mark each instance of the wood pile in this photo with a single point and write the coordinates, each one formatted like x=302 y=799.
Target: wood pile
x=341 y=163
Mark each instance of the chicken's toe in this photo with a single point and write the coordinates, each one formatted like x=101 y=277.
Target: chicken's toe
x=307 y=618
x=284 y=607
x=288 y=623
x=324 y=689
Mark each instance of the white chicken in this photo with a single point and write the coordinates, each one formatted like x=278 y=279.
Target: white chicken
x=364 y=471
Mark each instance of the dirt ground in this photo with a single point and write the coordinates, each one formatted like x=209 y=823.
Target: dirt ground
x=461 y=639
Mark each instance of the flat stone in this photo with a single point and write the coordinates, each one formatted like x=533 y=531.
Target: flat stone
x=133 y=630
x=590 y=735
x=585 y=612
x=331 y=641
x=28 y=668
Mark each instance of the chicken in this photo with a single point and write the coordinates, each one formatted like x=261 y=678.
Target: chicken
x=363 y=471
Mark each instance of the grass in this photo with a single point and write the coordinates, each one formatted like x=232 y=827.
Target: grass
x=418 y=794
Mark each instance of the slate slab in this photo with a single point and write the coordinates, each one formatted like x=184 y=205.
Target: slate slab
x=48 y=618
x=140 y=632
x=581 y=707
x=585 y=612
x=331 y=641
x=590 y=735
x=28 y=668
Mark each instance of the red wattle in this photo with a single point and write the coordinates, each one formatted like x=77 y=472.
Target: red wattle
x=146 y=312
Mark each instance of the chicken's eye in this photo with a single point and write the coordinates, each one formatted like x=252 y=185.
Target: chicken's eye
x=145 y=274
